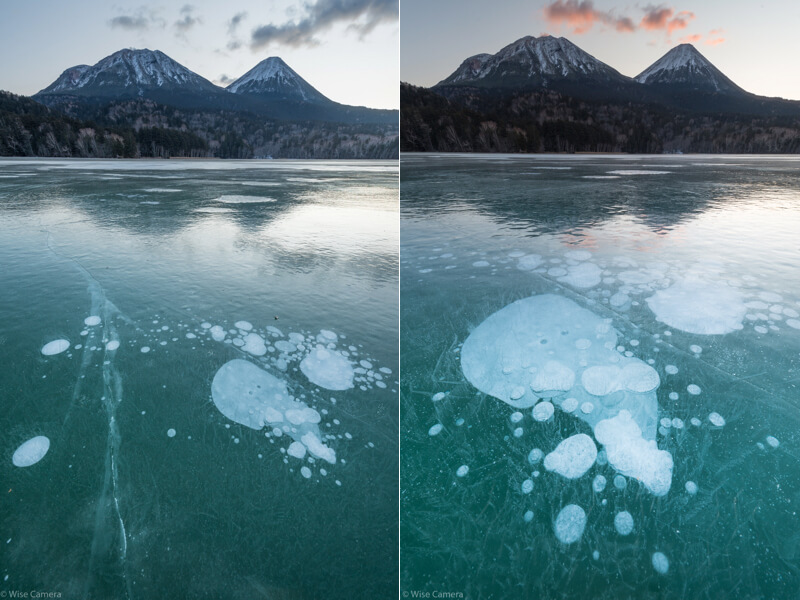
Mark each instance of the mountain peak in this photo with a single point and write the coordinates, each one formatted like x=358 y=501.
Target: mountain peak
x=273 y=77
x=530 y=60
x=130 y=69
x=685 y=65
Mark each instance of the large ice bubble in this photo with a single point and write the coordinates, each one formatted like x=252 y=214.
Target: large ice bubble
x=570 y=523
x=328 y=369
x=31 y=452
x=572 y=457
x=535 y=347
x=696 y=305
x=248 y=395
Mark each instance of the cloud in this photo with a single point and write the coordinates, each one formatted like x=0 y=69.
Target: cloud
x=691 y=39
x=233 y=24
x=665 y=18
x=715 y=42
x=187 y=20
x=141 y=19
x=360 y=15
x=581 y=16
x=224 y=80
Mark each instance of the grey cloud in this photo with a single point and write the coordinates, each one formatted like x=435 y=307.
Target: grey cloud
x=322 y=15
x=187 y=21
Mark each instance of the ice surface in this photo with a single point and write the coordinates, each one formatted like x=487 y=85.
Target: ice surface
x=630 y=454
x=572 y=457
x=623 y=523
x=696 y=305
x=569 y=524
x=55 y=347
x=328 y=369
x=31 y=452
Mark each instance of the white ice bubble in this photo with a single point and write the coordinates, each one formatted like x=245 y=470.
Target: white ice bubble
x=529 y=262
x=773 y=441
x=527 y=486
x=528 y=516
x=671 y=369
x=144 y=349
x=693 y=389
x=543 y=411
x=696 y=305
x=328 y=369
x=572 y=457
x=631 y=455
x=31 y=452
x=620 y=482
x=623 y=523
x=480 y=263
x=535 y=455
x=695 y=348
x=578 y=255
x=112 y=345
x=691 y=487
x=55 y=347
x=673 y=395
x=569 y=524
x=297 y=450
x=435 y=429
x=462 y=471
x=92 y=321
x=516 y=417
x=696 y=422
x=569 y=405
x=554 y=376
x=305 y=472
x=619 y=299
x=582 y=276
x=716 y=419
x=599 y=483
x=660 y=563
x=438 y=396
x=793 y=323
x=253 y=344
x=243 y=325
x=218 y=333
x=248 y=395
x=171 y=432
x=238 y=199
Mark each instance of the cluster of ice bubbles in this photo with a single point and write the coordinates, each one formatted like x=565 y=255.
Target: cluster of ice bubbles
x=546 y=351
x=254 y=390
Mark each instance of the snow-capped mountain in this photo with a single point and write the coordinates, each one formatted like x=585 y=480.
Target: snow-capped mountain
x=129 y=70
x=684 y=66
x=533 y=62
x=274 y=78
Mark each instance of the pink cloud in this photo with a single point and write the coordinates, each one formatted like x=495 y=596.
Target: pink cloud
x=715 y=42
x=691 y=39
x=581 y=16
x=665 y=18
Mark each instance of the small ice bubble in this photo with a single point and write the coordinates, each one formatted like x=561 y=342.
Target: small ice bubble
x=243 y=325
x=673 y=395
x=596 y=555
x=145 y=349
x=297 y=450
x=677 y=423
x=623 y=523
x=772 y=441
x=112 y=345
x=693 y=389
x=527 y=486
x=92 y=321
x=671 y=369
x=55 y=347
x=306 y=472
x=695 y=421
x=462 y=471
x=516 y=417
x=31 y=452
x=691 y=488
x=543 y=411
x=587 y=407
x=695 y=348
x=599 y=483
x=569 y=405
x=620 y=482
x=435 y=429
x=171 y=432
x=528 y=516
x=716 y=419
x=535 y=455
x=437 y=397
x=569 y=524
x=518 y=432
x=660 y=563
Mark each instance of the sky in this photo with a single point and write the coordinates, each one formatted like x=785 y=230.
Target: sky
x=754 y=43
x=347 y=49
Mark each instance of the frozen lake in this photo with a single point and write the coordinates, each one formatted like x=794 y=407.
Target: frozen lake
x=199 y=389
x=600 y=368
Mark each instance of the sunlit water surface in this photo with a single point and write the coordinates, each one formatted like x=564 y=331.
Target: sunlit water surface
x=153 y=275
x=686 y=269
